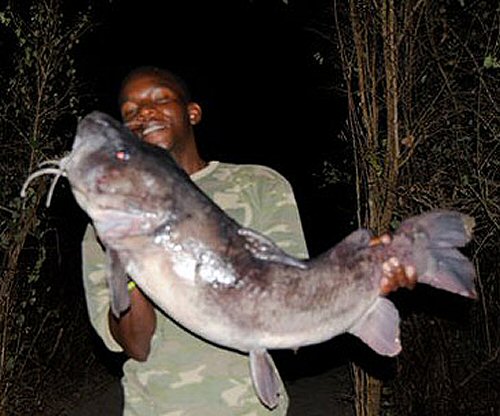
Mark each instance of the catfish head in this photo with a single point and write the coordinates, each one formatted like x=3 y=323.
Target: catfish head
x=124 y=184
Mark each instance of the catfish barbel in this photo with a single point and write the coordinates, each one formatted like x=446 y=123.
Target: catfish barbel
x=229 y=284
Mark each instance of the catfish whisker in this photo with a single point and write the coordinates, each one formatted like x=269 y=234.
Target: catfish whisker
x=56 y=162
x=58 y=172
x=53 y=186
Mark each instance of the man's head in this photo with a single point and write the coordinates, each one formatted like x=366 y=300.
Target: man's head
x=156 y=105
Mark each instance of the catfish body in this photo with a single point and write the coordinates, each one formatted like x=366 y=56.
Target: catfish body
x=231 y=285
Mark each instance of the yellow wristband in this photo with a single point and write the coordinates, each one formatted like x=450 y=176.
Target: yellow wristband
x=131 y=285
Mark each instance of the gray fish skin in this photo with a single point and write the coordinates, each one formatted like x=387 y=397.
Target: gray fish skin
x=233 y=286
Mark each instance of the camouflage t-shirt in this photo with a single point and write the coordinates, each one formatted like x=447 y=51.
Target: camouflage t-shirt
x=185 y=375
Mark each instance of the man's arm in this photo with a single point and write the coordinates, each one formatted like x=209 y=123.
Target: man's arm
x=131 y=333
x=135 y=328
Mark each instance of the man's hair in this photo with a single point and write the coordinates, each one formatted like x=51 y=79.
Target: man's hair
x=165 y=74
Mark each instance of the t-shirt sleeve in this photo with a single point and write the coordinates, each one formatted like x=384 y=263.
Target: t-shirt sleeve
x=276 y=214
x=97 y=293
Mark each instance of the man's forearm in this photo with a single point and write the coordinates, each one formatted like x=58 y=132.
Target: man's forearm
x=134 y=329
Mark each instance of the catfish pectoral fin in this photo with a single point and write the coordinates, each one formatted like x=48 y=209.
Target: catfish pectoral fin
x=117 y=280
x=379 y=328
x=265 y=377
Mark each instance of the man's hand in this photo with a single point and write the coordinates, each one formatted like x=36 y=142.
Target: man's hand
x=394 y=274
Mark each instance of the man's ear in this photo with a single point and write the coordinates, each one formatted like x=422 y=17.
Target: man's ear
x=194 y=111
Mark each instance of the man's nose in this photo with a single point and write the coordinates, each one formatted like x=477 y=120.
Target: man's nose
x=146 y=110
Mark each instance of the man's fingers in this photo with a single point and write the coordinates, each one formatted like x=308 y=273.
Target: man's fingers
x=381 y=239
x=411 y=276
x=395 y=276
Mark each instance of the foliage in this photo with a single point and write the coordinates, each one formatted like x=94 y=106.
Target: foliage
x=422 y=82
x=38 y=105
x=453 y=129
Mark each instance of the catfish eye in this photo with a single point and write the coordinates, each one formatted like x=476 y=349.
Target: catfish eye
x=122 y=155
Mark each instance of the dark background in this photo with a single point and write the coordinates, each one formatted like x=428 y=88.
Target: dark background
x=250 y=64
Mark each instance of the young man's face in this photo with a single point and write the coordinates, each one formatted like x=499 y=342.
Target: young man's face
x=154 y=109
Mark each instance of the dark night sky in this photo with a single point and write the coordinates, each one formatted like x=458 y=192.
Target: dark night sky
x=251 y=67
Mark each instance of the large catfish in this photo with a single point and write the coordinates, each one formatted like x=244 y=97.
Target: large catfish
x=231 y=285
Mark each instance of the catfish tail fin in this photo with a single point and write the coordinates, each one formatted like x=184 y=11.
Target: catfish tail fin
x=435 y=238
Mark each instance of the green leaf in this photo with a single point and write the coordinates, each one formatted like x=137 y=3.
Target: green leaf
x=491 y=62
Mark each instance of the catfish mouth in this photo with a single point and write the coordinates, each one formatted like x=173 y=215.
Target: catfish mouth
x=114 y=217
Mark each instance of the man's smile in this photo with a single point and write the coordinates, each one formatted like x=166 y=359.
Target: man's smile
x=153 y=127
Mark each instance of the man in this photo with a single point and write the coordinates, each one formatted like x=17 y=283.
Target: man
x=172 y=372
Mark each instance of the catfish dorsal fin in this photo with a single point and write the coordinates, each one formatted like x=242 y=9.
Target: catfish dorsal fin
x=263 y=248
x=379 y=328
x=265 y=378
